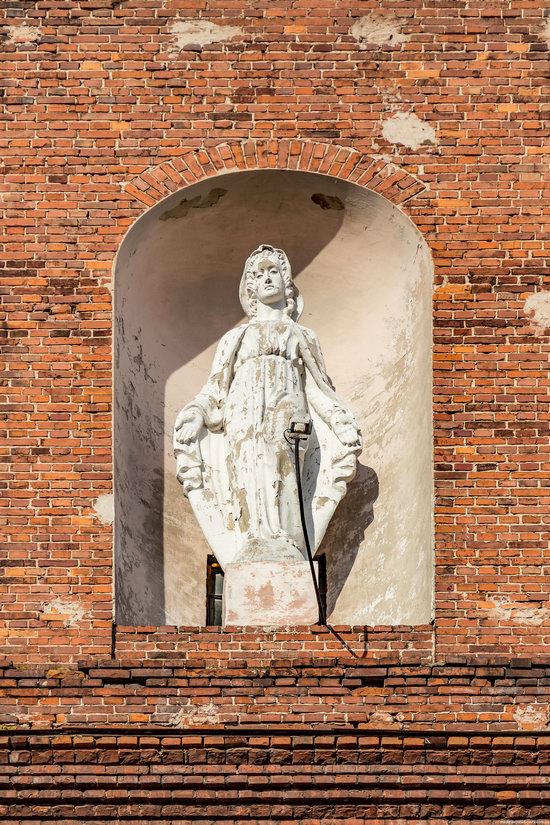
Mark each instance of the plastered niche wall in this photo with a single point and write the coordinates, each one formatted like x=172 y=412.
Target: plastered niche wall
x=366 y=277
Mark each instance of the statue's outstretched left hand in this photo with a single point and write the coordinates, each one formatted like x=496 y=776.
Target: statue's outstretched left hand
x=188 y=425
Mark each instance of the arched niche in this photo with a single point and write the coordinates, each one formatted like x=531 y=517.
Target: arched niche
x=366 y=276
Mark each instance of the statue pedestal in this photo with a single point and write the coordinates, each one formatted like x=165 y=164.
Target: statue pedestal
x=268 y=589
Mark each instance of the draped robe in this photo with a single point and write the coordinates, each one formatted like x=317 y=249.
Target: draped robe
x=239 y=472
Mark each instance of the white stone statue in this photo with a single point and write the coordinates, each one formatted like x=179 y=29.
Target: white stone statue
x=233 y=459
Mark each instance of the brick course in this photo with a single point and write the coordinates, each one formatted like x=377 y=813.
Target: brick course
x=295 y=687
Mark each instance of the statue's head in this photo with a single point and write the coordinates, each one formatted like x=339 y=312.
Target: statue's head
x=267 y=278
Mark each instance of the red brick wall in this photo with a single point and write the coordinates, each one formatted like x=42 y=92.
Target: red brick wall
x=104 y=114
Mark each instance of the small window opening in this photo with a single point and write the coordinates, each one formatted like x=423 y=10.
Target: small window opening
x=214 y=592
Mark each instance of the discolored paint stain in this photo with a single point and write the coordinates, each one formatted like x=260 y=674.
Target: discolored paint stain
x=244 y=516
x=198 y=202
x=263 y=597
x=328 y=201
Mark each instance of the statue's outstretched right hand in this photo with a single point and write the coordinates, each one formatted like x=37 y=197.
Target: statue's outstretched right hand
x=188 y=425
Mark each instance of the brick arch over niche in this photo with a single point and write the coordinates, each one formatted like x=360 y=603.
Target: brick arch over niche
x=365 y=272
x=375 y=173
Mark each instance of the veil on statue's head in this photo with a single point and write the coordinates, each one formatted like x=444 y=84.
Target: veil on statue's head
x=295 y=302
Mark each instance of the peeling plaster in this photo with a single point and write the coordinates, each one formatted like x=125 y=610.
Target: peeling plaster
x=195 y=716
x=71 y=613
x=537 y=307
x=381 y=718
x=104 y=508
x=194 y=34
x=522 y=613
x=406 y=129
x=22 y=34
x=378 y=29
x=532 y=717
x=544 y=32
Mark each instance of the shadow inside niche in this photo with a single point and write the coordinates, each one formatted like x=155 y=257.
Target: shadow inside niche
x=346 y=531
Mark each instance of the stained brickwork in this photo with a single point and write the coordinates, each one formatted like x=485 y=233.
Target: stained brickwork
x=300 y=690
x=156 y=777
x=437 y=105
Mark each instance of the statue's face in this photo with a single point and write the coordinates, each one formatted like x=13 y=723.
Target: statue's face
x=270 y=285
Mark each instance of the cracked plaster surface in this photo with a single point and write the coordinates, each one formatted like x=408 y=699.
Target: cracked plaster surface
x=194 y=34
x=104 y=508
x=406 y=129
x=22 y=34
x=537 y=307
x=70 y=612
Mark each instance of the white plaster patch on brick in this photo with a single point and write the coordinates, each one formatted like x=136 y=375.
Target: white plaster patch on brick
x=194 y=34
x=519 y=612
x=378 y=29
x=532 y=717
x=544 y=32
x=104 y=508
x=70 y=612
x=195 y=716
x=22 y=33
x=537 y=307
x=406 y=129
x=107 y=282
x=382 y=718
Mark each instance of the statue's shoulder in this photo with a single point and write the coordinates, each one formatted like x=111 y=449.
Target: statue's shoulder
x=228 y=344
x=309 y=334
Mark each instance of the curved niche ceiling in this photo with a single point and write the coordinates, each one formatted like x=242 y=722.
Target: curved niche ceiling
x=366 y=277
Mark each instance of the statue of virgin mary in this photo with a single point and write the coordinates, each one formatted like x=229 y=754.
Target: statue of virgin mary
x=233 y=458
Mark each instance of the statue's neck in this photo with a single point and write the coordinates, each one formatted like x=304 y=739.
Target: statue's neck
x=270 y=312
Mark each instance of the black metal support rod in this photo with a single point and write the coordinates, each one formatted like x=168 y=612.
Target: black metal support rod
x=322 y=616
x=113 y=639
